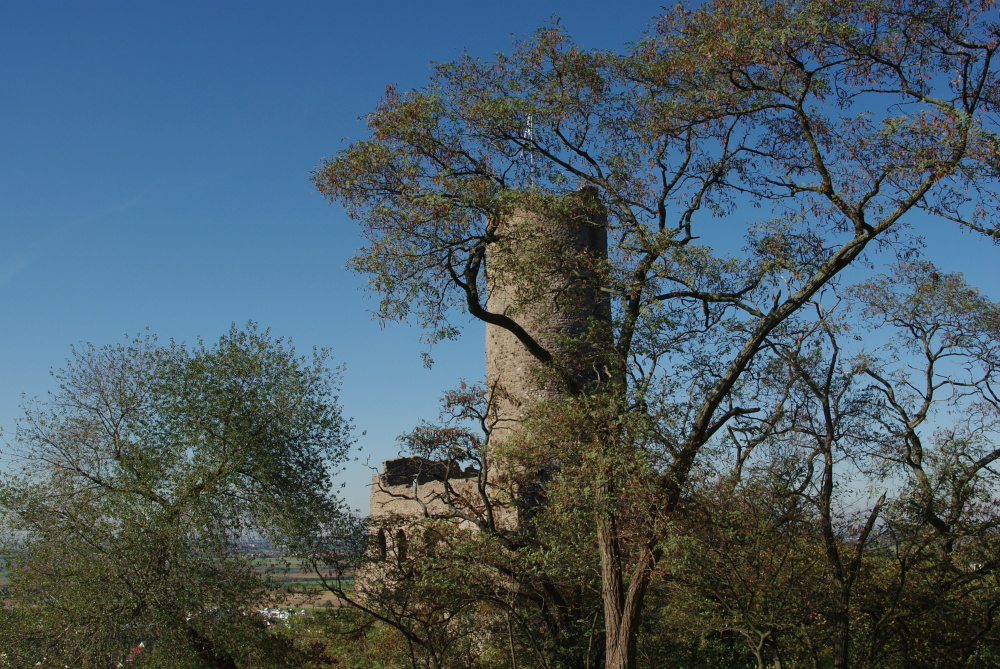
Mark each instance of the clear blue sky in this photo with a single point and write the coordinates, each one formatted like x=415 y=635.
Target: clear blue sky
x=154 y=161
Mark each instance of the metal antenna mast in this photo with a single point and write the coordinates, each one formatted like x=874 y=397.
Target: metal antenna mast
x=529 y=134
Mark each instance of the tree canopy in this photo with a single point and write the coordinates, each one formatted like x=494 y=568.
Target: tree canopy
x=139 y=479
x=747 y=154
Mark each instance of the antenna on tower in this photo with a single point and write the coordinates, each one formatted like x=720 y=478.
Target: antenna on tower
x=529 y=134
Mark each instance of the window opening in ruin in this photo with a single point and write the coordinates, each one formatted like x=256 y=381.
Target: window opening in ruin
x=381 y=545
x=400 y=545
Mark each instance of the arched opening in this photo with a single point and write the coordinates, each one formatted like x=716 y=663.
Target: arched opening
x=400 y=545
x=381 y=545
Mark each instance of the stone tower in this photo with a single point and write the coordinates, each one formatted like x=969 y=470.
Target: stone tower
x=543 y=272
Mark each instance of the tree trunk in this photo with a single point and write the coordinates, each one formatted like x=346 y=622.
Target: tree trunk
x=842 y=628
x=622 y=602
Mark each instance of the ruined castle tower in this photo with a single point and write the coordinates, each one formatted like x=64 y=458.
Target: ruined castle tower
x=544 y=273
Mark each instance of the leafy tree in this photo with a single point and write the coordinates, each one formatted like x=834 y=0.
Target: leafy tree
x=345 y=638
x=875 y=471
x=934 y=400
x=746 y=566
x=841 y=121
x=140 y=476
x=471 y=589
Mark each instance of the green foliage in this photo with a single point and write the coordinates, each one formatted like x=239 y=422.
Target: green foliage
x=838 y=121
x=139 y=477
x=345 y=638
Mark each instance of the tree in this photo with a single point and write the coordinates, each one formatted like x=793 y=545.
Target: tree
x=875 y=470
x=843 y=122
x=467 y=588
x=139 y=478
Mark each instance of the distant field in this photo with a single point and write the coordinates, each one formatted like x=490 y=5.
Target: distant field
x=306 y=590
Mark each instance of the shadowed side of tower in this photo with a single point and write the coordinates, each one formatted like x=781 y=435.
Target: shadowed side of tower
x=544 y=272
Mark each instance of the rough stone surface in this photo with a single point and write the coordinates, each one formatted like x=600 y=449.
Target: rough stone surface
x=408 y=490
x=547 y=284
x=541 y=273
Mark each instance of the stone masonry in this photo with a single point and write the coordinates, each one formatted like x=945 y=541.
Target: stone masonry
x=542 y=275
x=541 y=272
